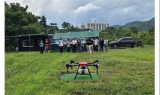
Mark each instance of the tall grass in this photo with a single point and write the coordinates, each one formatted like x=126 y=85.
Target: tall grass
x=122 y=71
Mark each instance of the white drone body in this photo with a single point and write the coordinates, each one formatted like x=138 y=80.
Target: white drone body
x=83 y=70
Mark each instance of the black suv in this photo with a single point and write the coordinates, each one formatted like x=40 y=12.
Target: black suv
x=124 y=42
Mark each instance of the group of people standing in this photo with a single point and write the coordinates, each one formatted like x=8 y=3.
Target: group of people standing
x=46 y=44
x=91 y=45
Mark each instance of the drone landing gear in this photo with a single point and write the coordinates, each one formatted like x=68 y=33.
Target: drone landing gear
x=83 y=74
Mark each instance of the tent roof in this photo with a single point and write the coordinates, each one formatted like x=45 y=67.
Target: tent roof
x=76 y=35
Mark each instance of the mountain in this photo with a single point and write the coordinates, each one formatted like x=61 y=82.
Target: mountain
x=116 y=26
x=141 y=25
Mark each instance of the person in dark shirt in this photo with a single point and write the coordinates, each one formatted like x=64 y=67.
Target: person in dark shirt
x=52 y=46
x=88 y=43
x=92 y=44
x=79 y=45
x=46 y=46
x=101 y=44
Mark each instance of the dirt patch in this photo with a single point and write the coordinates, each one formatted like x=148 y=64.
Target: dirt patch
x=51 y=75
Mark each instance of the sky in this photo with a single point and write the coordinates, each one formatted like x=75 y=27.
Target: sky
x=76 y=12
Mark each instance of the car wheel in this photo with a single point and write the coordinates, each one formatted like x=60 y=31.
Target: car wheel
x=115 y=46
x=134 y=45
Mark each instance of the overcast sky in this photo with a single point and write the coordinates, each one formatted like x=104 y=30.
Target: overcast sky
x=80 y=11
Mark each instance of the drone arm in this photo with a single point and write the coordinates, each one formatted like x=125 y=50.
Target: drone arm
x=97 y=65
x=94 y=62
x=90 y=63
x=70 y=65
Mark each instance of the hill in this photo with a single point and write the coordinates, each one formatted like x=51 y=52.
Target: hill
x=141 y=25
x=116 y=26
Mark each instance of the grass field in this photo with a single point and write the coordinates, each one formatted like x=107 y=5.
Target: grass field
x=127 y=71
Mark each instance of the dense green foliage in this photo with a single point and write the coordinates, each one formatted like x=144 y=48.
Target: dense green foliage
x=148 y=37
x=19 y=21
x=127 y=71
x=43 y=21
x=66 y=25
x=52 y=30
x=133 y=29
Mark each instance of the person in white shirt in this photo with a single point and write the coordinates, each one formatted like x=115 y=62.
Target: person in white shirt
x=106 y=43
x=61 y=45
x=88 y=45
x=96 y=44
x=74 y=42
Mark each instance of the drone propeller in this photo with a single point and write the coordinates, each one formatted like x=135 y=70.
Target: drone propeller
x=69 y=65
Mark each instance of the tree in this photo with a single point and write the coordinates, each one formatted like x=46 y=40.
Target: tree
x=17 y=19
x=114 y=37
x=66 y=25
x=19 y=22
x=6 y=4
x=52 y=29
x=43 y=21
x=134 y=29
x=72 y=28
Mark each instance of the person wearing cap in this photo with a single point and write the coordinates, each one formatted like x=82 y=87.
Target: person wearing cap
x=61 y=45
x=88 y=43
x=74 y=42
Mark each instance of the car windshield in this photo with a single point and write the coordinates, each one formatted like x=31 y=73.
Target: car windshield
x=120 y=39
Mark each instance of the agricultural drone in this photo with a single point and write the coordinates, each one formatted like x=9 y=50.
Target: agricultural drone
x=83 y=67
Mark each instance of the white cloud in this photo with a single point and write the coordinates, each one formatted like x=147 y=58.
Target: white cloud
x=125 y=10
x=86 y=8
x=78 y=11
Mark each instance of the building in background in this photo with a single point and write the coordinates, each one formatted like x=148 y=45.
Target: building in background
x=76 y=26
x=94 y=26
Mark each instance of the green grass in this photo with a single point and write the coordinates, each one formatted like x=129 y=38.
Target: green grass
x=123 y=71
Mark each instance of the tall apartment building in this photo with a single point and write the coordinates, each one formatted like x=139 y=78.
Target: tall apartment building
x=95 y=26
x=76 y=26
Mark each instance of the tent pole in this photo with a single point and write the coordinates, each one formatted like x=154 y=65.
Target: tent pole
x=29 y=43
